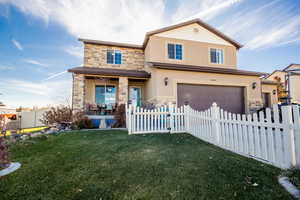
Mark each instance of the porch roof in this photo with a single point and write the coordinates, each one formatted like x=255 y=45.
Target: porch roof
x=110 y=72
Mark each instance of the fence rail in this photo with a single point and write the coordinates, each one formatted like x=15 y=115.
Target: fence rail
x=271 y=136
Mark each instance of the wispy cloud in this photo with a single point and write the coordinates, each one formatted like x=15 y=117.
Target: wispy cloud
x=35 y=93
x=17 y=44
x=35 y=62
x=265 y=26
x=76 y=51
x=106 y=19
x=55 y=75
x=205 y=10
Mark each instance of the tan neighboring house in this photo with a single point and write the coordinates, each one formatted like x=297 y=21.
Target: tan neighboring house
x=294 y=80
x=187 y=63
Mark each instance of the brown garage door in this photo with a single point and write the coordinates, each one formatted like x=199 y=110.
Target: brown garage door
x=201 y=97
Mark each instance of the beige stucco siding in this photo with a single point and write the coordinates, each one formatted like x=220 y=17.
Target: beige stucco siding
x=267 y=88
x=95 y=56
x=194 y=52
x=165 y=94
x=279 y=74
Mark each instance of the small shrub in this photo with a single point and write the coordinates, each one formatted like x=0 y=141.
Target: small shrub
x=57 y=115
x=120 y=116
x=80 y=121
x=4 y=155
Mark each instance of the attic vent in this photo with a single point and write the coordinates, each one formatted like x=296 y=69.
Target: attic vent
x=196 y=30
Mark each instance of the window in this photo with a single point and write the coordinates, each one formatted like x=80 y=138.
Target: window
x=105 y=94
x=216 y=56
x=114 y=57
x=175 y=51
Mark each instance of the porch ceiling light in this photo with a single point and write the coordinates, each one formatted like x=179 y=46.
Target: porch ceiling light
x=254 y=85
x=166 y=80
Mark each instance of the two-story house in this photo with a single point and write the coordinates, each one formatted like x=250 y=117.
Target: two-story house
x=280 y=75
x=187 y=63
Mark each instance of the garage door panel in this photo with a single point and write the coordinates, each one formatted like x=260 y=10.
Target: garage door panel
x=201 y=97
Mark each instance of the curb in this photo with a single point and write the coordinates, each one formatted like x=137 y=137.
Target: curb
x=12 y=167
x=289 y=187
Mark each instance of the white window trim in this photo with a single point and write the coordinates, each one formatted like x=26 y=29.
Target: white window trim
x=209 y=58
x=167 y=53
x=114 y=50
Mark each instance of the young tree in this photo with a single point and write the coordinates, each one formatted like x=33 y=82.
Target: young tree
x=280 y=89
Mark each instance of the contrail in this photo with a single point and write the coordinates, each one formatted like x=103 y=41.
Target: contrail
x=54 y=75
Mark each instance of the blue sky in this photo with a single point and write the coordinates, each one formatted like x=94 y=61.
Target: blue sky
x=38 y=38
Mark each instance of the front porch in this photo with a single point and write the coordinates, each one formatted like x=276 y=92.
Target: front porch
x=98 y=92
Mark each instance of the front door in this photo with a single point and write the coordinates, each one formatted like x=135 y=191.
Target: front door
x=135 y=96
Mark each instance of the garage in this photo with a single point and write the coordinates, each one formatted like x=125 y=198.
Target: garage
x=201 y=97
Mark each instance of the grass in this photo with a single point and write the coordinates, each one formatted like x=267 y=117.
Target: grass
x=114 y=165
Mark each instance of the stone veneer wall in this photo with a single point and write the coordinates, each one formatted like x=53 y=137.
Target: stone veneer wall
x=95 y=56
x=78 y=92
x=123 y=90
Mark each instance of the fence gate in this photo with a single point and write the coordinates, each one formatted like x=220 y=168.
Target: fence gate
x=164 y=119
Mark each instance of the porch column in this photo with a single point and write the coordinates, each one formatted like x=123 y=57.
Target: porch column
x=123 y=90
x=78 y=94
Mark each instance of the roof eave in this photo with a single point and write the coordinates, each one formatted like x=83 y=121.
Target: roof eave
x=109 y=43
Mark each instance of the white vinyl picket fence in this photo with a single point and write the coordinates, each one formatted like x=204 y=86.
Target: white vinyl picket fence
x=268 y=137
x=158 y=120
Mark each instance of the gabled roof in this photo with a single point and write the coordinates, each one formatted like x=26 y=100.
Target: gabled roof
x=168 y=28
x=290 y=66
x=195 y=68
x=198 y=21
x=284 y=70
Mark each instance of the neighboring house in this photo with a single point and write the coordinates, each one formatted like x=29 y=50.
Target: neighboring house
x=294 y=80
x=187 y=63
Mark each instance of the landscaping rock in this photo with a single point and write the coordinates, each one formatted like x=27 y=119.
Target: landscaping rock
x=52 y=131
x=36 y=134
x=24 y=137
x=15 y=136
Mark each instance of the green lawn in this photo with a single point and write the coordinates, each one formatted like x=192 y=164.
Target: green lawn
x=114 y=165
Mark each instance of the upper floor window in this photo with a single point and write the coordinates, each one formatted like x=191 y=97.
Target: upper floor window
x=175 y=51
x=216 y=56
x=113 y=57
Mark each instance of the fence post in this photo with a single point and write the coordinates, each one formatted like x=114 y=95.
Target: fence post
x=171 y=110
x=216 y=122
x=296 y=115
x=288 y=137
x=187 y=118
x=128 y=116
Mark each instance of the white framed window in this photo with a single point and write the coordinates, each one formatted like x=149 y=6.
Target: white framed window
x=114 y=57
x=216 y=56
x=175 y=51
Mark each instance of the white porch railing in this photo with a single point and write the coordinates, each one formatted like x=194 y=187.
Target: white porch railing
x=264 y=136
